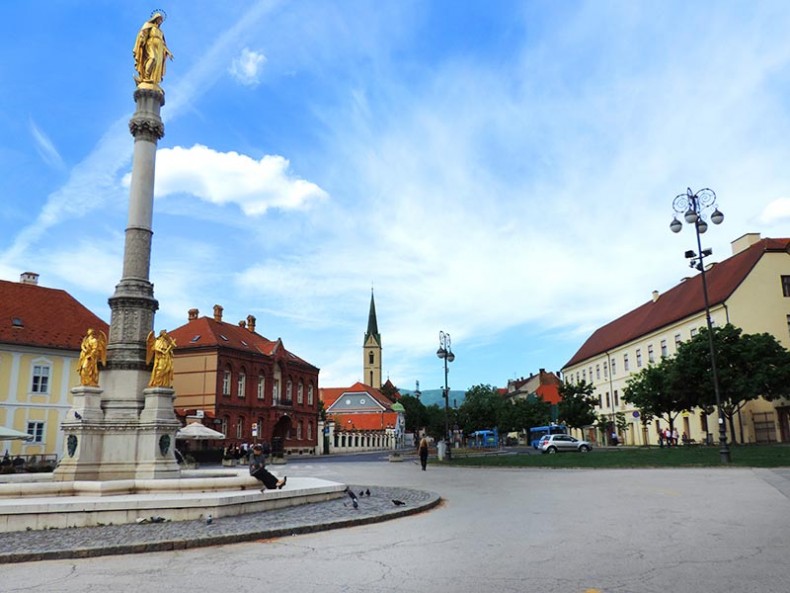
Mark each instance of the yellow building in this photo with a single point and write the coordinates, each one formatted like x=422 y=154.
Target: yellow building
x=750 y=289
x=40 y=334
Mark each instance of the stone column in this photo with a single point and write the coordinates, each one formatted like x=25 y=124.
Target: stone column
x=133 y=305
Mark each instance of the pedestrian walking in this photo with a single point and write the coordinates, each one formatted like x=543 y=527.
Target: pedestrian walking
x=423 y=450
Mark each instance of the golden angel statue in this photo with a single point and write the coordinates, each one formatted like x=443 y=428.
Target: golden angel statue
x=160 y=350
x=93 y=351
x=150 y=52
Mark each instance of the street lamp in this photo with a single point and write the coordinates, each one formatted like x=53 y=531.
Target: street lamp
x=445 y=352
x=694 y=208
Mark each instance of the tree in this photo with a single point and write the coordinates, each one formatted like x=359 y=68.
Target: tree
x=577 y=406
x=748 y=366
x=415 y=412
x=481 y=409
x=654 y=391
x=523 y=414
x=433 y=421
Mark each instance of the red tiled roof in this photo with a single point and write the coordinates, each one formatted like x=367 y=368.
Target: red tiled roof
x=47 y=317
x=681 y=301
x=367 y=421
x=329 y=395
x=207 y=332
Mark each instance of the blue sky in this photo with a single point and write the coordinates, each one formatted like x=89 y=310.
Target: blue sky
x=503 y=171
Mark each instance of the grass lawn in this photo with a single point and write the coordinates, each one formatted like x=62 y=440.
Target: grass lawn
x=629 y=457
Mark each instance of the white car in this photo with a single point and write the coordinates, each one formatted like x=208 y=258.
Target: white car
x=556 y=443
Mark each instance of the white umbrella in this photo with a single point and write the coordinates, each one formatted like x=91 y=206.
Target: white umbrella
x=9 y=434
x=197 y=431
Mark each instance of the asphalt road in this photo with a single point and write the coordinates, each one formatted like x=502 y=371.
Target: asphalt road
x=499 y=530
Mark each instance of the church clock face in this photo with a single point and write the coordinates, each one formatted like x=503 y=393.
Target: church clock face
x=348 y=402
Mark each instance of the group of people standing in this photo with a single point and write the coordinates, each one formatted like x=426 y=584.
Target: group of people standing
x=670 y=437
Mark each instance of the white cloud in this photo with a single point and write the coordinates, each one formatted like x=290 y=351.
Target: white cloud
x=233 y=178
x=776 y=211
x=247 y=66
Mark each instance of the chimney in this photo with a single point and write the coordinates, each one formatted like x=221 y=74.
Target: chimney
x=242 y=324
x=743 y=242
x=29 y=278
x=251 y=323
x=193 y=314
x=217 y=313
x=656 y=294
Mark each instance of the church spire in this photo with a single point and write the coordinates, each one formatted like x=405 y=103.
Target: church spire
x=371 y=349
x=373 y=326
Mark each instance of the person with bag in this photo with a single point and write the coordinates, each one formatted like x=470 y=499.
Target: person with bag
x=423 y=449
x=259 y=472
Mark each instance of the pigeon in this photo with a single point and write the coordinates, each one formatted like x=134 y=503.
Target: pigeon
x=367 y=492
x=398 y=503
x=362 y=493
x=209 y=520
x=77 y=415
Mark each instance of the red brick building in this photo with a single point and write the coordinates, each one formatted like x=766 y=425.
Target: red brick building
x=245 y=385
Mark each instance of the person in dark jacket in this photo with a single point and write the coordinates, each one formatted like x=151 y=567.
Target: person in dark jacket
x=259 y=472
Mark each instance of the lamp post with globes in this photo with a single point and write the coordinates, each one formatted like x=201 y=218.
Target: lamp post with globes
x=445 y=352
x=694 y=207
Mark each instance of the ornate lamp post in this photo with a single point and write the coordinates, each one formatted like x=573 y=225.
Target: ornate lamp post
x=445 y=352
x=694 y=207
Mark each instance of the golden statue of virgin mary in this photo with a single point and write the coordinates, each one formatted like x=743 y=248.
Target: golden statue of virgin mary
x=150 y=52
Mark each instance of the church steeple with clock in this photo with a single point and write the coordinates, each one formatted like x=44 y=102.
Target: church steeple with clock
x=371 y=349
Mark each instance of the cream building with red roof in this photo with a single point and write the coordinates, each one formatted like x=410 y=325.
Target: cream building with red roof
x=750 y=289
x=41 y=330
x=245 y=385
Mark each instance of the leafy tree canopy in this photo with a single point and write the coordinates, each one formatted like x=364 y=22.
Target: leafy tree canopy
x=481 y=409
x=577 y=407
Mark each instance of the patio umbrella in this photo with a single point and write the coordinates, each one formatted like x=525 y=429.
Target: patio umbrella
x=9 y=434
x=197 y=431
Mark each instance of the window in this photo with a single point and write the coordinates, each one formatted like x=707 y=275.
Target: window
x=40 y=379
x=788 y=324
x=600 y=401
x=261 y=385
x=310 y=430
x=584 y=375
x=242 y=386
x=626 y=365
x=289 y=391
x=605 y=370
x=300 y=392
x=614 y=367
x=677 y=341
x=226 y=382
x=693 y=331
x=590 y=369
x=276 y=391
x=371 y=357
x=616 y=398
x=786 y=286
x=240 y=428
x=664 y=349
x=597 y=372
x=36 y=429
x=638 y=358
x=607 y=399
x=224 y=426
x=651 y=357
x=299 y=431
x=310 y=394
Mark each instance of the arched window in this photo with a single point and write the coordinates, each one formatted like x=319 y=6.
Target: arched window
x=289 y=389
x=226 y=382
x=299 y=431
x=371 y=357
x=240 y=428
x=242 y=386
x=261 y=385
x=310 y=430
x=310 y=394
x=300 y=392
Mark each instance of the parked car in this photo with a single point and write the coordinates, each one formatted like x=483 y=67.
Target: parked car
x=555 y=443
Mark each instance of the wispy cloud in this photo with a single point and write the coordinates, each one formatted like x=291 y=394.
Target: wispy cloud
x=46 y=148
x=247 y=66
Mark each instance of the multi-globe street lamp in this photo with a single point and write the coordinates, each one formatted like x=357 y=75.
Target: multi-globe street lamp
x=695 y=207
x=445 y=352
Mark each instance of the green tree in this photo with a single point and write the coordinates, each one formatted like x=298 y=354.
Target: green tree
x=577 y=406
x=748 y=366
x=522 y=414
x=654 y=391
x=481 y=409
x=433 y=421
x=415 y=412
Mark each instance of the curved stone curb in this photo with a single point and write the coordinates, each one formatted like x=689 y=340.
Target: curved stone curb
x=88 y=542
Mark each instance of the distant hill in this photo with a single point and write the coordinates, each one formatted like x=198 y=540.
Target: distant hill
x=434 y=396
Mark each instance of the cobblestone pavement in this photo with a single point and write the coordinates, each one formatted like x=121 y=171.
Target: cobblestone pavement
x=83 y=542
